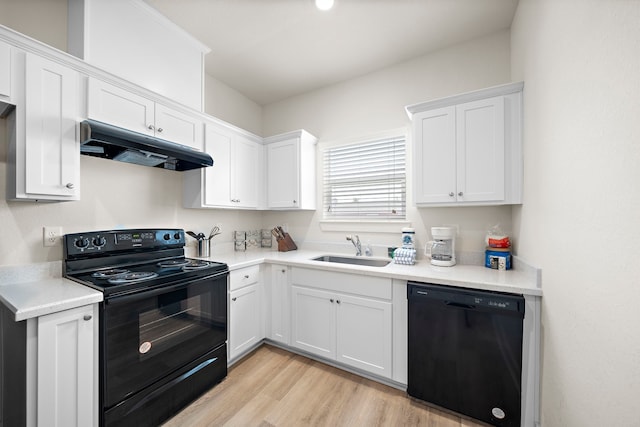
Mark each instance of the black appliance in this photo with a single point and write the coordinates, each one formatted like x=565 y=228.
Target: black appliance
x=112 y=142
x=465 y=351
x=163 y=321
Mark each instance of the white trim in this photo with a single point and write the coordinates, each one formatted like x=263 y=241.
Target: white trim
x=505 y=89
x=402 y=132
x=381 y=226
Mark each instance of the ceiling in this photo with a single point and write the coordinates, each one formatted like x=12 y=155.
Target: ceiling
x=270 y=50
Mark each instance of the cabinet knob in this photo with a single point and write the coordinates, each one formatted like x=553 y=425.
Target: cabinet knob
x=283 y=270
x=295 y=201
x=338 y=301
x=234 y=298
x=460 y=193
x=331 y=300
x=451 y=194
x=150 y=127
x=70 y=185
x=246 y=276
x=160 y=129
x=87 y=317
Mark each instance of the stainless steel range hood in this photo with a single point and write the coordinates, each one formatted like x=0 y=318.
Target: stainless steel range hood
x=112 y=142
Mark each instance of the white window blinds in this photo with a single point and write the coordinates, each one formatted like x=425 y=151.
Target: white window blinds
x=365 y=180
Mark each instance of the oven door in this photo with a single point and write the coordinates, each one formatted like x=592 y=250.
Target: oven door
x=148 y=335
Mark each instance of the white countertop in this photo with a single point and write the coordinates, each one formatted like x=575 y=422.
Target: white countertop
x=44 y=296
x=35 y=290
x=523 y=279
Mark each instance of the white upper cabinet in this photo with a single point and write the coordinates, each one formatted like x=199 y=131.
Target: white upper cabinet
x=111 y=104
x=132 y=40
x=468 y=148
x=291 y=171
x=44 y=152
x=5 y=71
x=246 y=172
x=234 y=180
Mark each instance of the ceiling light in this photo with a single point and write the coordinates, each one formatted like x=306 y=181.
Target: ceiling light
x=324 y=4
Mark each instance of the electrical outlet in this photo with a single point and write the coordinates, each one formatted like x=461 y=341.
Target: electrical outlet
x=51 y=235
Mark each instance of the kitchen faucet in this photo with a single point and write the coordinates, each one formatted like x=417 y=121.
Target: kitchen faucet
x=356 y=243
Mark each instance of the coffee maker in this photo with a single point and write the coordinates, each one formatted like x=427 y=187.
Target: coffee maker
x=442 y=249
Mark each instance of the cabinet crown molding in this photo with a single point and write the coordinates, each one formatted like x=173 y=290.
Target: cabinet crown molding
x=464 y=97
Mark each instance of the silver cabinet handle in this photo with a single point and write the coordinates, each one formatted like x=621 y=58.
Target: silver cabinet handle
x=87 y=317
x=451 y=194
x=70 y=185
x=234 y=298
x=150 y=127
x=460 y=193
x=160 y=129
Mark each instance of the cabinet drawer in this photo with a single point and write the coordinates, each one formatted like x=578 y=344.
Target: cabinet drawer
x=358 y=284
x=244 y=277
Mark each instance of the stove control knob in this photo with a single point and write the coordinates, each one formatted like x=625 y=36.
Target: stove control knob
x=82 y=243
x=99 y=241
x=176 y=236
x=167 y=236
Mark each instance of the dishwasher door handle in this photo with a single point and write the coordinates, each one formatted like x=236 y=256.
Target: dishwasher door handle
x=460 y=305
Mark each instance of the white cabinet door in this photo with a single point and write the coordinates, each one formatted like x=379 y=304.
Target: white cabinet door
x=364 y=334
x=283 y=174
x=244 y=320
x=480 y=129
x=245 y=172
x=179 y=127
x=468 y=148
x=234 y=180
x=290 y=162
x=5 y=70
x=314 y=321
x=217 y=179
x=52 y=152
x=119 y=107
x=280 y=303
x=435 y=155
x=66 y=388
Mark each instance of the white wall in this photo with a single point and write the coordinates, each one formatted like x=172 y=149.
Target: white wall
x=229 y=105
x=580 y=61
x=44 y=20
x=375 y=103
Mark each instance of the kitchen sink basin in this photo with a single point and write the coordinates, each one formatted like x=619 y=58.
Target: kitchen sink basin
x=369 y=262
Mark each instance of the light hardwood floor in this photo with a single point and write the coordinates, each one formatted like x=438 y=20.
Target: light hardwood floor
x=273 y=387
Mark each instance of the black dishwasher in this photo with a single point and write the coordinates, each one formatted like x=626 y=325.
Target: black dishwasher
x=465 y=351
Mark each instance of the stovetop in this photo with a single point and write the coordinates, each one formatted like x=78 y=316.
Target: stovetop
x=125 y=261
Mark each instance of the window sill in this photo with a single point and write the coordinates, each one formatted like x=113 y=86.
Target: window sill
x=372 y=226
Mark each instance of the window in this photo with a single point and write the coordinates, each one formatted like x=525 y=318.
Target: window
x=365 y=180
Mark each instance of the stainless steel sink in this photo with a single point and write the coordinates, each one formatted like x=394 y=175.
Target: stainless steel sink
x=369 y=262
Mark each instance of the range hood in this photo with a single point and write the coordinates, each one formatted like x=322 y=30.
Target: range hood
x=103 y=140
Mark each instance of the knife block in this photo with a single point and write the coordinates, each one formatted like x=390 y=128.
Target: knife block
x=287 y=244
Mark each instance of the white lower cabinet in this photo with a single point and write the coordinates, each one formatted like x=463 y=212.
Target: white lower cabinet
x=245 y=311
x=49 y=369
x=354 y=330
x=280 y=307
x=66 y=370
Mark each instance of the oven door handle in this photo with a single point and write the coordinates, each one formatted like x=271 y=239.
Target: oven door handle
x=151 y=293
